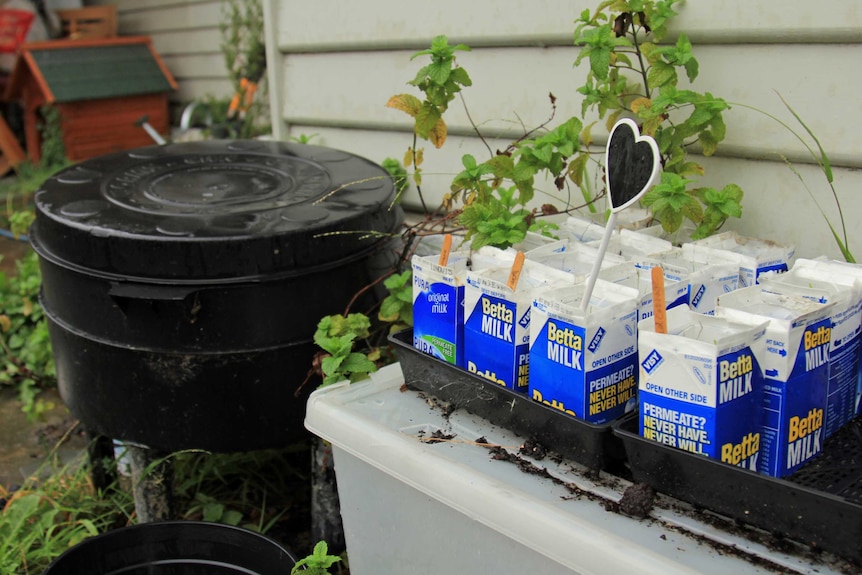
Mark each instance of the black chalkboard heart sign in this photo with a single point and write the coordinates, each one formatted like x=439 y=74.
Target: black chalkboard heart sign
x=632 y=164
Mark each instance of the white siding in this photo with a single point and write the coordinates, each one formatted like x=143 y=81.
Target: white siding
x=186 y=35
x=335 y=64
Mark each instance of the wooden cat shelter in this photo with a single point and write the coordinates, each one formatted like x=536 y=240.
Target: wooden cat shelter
x=101 y=87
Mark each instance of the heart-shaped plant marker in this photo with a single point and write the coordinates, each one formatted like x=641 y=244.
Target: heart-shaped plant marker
x=632 y=164
x=631 y=167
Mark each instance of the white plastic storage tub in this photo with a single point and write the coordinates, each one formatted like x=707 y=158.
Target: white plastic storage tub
x=414 y=504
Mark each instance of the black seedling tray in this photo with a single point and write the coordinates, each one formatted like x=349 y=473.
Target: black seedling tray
x=594 y=446
x=820 y=505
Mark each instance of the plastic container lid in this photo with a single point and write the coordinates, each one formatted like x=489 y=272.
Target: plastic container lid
x=214 y=210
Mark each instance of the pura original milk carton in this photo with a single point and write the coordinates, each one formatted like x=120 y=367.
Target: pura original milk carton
x=438 y=300
x=817 y=282
x=795 y=363
x=701 y=387
x=438 y=306
x=584 y=362
x=497 y=321
x=706 y=279
x=756 y=256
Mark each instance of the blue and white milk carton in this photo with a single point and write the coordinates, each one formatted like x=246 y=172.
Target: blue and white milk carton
x=814 y=280
x=581 y=230
x=584 y=362
x=640 y=277
x=438 y=306
x=572 y=257
x=706 y=280
x=438 y=300
x=756 y=256
x=497 y=321
x=701 y=387
x=634 y=244
x=795 y=364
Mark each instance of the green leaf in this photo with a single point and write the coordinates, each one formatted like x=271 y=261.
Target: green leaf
x=661 y=74
x=212 y=511
x=358 y=363
x=231 y=517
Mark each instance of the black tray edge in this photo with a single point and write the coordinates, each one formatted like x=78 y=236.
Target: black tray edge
x=820 y=520
x=591 y=445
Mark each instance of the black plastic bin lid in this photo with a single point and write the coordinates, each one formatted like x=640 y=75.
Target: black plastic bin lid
x=214 y=210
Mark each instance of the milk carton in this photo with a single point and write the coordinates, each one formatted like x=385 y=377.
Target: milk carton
x=497 y=321
x=640 y=277
x=795 y=365
x=756 y=256
x=572 y=257
x=844 y=273
x=631 y=244
x=816 y=281
x=584 y=362
x=701 y=387
x=581 y=230
x=438 y=300
x=438 y=306
x=706 y=279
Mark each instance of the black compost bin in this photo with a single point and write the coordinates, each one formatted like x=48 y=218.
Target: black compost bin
x=175 y=548
x=183 y=284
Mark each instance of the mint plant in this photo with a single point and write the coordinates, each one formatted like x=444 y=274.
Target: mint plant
x=317 y=563
x=632 y=74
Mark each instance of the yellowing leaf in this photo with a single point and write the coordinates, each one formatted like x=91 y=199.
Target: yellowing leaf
x=408 y=158
x=28 y=307
x=641 y=103
x=420 y=156
x=5 y=323
x=406 y=103
x=438 y=133
x=587 y=134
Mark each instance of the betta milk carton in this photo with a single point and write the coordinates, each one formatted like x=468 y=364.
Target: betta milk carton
x=640 y=277
x=816 y=282
x=700 y=387
x=584 y=362
x=497 y=321
x=756 y=256
x=795 y=363
x=706 y=280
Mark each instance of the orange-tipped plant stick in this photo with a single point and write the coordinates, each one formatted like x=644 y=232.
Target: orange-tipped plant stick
x=658 y=301
x=515 y=274
x=447 y=247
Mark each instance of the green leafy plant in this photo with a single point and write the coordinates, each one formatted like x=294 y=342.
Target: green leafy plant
x=337 y=335
x=318 y=563
x=632 y=74
x=398 y=173
x=244 y=51
x=52 y=511
x=26 y=361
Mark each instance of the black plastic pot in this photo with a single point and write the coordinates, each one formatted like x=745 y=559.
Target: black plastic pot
x=175 y=548
x=183 y=284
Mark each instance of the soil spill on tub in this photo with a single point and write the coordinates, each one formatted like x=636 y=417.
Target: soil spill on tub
x=641 y=503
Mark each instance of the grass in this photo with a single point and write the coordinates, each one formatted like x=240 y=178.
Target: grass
x=58 y=507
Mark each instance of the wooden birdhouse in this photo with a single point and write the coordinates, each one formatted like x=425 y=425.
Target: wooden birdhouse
x=101 y=88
